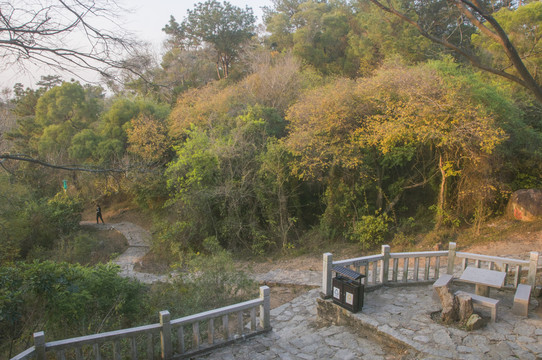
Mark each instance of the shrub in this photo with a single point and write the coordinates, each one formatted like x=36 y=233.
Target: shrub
x=370 y=230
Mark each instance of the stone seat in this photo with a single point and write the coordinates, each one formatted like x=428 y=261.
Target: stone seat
x=521 y=300
x=483 y=301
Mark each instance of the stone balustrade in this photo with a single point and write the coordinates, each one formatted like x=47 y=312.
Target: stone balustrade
x=403 y=268
x=174 y=341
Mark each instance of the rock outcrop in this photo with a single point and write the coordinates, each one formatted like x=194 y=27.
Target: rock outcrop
x=525 y=205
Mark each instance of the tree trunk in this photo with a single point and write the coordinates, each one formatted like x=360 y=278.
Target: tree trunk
x=380 y=194
x=449 y=304
x=465 y=307
x=441 y=194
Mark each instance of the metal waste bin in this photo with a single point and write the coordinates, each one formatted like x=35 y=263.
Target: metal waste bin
x=348 y=290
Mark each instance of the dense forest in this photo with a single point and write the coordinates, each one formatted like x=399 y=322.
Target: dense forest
x=342 y=120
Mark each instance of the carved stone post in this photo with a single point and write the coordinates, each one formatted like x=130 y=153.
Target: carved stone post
x=39 y=345
x=265 y=308
x=326 y=275
x=385 y=264
x=531 y=276
x=451 y=258
x=165 y=335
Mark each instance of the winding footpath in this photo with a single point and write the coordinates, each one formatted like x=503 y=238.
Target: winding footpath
x=139 y=241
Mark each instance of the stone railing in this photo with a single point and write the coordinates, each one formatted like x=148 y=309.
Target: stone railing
x=142 y=342
x=403 y=268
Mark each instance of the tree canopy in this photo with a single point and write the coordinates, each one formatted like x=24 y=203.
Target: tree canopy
x=221 y=26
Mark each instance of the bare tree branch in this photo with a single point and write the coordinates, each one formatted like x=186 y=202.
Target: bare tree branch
x=21 y=157
x=67 y=35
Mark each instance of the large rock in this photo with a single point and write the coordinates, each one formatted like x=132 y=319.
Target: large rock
x=525 y=205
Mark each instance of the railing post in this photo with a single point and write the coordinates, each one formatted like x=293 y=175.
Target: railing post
x=326 y=275
x=265 y=308
x=39 y=345
x=533 y=264
x=385 y=264
x=451 y=258
x=165 y=335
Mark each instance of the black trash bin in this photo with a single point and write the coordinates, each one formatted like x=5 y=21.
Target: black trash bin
x=348 y=290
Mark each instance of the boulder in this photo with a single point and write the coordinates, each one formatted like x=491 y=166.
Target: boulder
x=475 y=322
x=525 y=205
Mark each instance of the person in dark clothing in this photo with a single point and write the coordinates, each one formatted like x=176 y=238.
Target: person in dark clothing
x=99 y=214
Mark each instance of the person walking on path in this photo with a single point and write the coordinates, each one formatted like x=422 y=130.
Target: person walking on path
x=99 y=214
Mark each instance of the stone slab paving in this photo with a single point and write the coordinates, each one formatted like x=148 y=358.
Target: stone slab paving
x=400 y=313
x=296 y=335
x=404 y=313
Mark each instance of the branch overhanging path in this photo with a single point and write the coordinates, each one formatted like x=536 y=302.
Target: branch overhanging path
x=85 y=168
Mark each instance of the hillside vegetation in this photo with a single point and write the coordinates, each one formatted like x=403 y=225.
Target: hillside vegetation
x=342 y=124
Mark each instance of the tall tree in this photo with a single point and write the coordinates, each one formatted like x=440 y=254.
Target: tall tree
x=223 y=27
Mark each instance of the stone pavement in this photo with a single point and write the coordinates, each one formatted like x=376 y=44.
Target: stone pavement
x=404 y=313
x=395 y=322
x=296 y=335
x=391 y=315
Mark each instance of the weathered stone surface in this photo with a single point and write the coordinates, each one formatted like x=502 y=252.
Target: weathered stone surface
x=525 y=205
x=465 y=307
x=449 y=305
x=475 y=322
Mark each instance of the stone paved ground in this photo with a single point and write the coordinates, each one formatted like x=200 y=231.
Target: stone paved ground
x=296 y=335
x=403 y=313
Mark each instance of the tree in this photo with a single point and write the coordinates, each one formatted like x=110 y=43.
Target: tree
x=223 y=27
x=480 y=15
x=524 y=28
x=64 y=35
x=394 y=132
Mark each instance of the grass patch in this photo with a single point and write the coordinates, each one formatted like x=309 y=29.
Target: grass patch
x=90 y=247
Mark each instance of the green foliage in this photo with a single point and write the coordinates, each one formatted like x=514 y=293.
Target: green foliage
x=221 y=25
x=27 y=223
x=211 y=282
x=64 y=301
x=224 y=184
x=370 y=230
x=523 y=25
x=64 y=212
x=14 y=224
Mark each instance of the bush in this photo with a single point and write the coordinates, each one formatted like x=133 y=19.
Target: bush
x=212 y=281
x=370 y=230
x=64 y=301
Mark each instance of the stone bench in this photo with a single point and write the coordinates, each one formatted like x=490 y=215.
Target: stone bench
x=484 y=301
x=443 y=280
x=521 y=300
